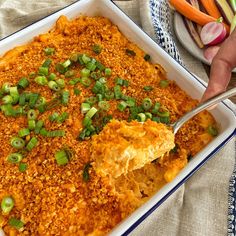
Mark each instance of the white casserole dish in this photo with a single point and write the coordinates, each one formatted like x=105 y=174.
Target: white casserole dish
x=192 y=85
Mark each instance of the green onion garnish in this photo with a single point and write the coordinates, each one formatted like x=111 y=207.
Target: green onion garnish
x=85 y=59
x=117 y=92
x=147 y=57
x=100 y=97
x=53 y=117
x=86 y=176
x=41 y=80
x=6 y=87
x=23 y=167
x=22 y=99
x=65 y=97
x=17 y=143
x=14 y=158
x=147 y=104
x=102 y=80
x=130 y=102
x=104 y=105
x=23 y=83
x=91 y=112
x=163 y=113
x=141 y=117
x=148 y=115
x=66 y=63
x=130 y=52
x=91 y=100
x=107 y=72
x=43 y=132
x=14 y=94
x=49 y=51
x=33 y=98
x=119 y=81
x=74 y=57
x=165 y=120
x=69 y=73
x=60 y=68
x=52 y=76
x=91 y=66
x=32 y=114
x=43 y=71
x=85 y=107
x=62 y=117
x=47 y=63
x=212 y=130
x=32 y=143
x=61 y=158
x=16 y=223
x=31 y=124
x=148 y=88
x=87 y=121
x=97 y=48
x=23 y=132
x=7 y=204
x=121 y=106
x=39 y=125
x=77 y=91
x=7 y=99
x=56 y=133
x=61 y=83
x=85 y=81
x=156 y=108
x=53 y=86
x=100 y=66
x=97 y=88
x=74 y=81
x=164 y=83
x=85 y=72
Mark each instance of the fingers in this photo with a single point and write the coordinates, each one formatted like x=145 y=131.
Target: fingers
x=221 y=68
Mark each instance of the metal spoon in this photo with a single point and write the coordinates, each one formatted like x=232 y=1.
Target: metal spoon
x=211 y=102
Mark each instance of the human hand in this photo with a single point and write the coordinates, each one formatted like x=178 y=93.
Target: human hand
x=221 y=68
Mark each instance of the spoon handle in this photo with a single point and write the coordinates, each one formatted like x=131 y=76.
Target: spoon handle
x=211 y=102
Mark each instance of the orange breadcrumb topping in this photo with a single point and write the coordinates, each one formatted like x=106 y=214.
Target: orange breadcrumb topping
x=54 y=200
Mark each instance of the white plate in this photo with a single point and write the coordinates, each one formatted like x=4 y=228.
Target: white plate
x=187 y=41
x=188 y=82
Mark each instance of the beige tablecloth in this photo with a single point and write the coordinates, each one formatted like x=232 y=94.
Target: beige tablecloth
x=198 y=208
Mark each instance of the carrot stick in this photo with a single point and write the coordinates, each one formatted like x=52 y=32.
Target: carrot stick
x=192 y=13
x=211 y=8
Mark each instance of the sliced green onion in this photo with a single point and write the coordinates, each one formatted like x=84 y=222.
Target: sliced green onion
x=31 y=124
x=7 y=99
x=32 y=143
x=53 y=117
x=164 y=83
x=61 y=158
x=6 y=87
x=147 y=104
x=14 y=158
x=91 y=66
x=53 y=86
x=74 y=57
x=95 y=75
x=117 y=91
x=107 y=72
x=65 y=97
x=141 y=117
x=61 y=83
x=52 y=76
x=86 y=176
x=66 y=63
x=32 y=75
x=91 y=100
x=163 y=113
x=156 y=119
x=77 y=91
x=33 y=99
x=44 y=132
x=14 y=94
x=23 y=167
x=1 y=93
x=85 y=107
x=100 y=66
x=97 y=88
x=17 y=143
x=60 y=68
x=91 y=112
x=47 y=63
x=130 y=52
x=62 y=117
x=130 y=102
x=23 y=83
x=147 y=57
x=56 y=133
x=103 y=80
x=97 y=48
x=106 y=119
x=49 y=51
x=109 y=95
x=212 y=130
x=148 y=115
x=165 y=120
x=119 y=81
x=32 y=114
x=39 y=125
x=74 y=81
x=7 y=204
x=22 y=99
x=148 y=88
x=69 y=73
x=87 y=121
x=41 y=80
x=156 y=108
x=104 y=105
x=121 y=106
x=8 y=110
x=99 y=97
x=85 y=81
x=41 y=101
x=85 y=72
x=16 y=223
x=43 y=71
x=85 y=59
x=125 y=83
x=23 y=132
